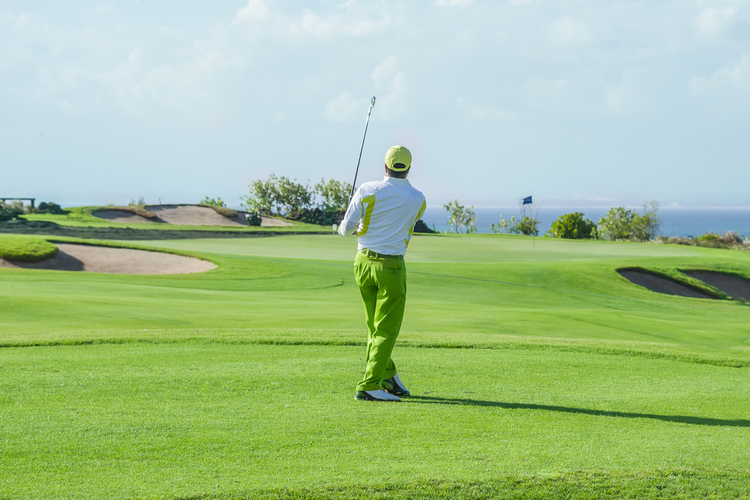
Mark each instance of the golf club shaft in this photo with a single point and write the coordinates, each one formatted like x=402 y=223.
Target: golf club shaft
x=367 y=122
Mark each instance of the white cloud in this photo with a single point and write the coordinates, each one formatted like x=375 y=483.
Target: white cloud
x=255 y=10
x=485 y=112
x=624 y=97
x=737 y=76
x=568 y=31
x=343 y=108
x=462 y=3
x=335 y=25
x=539 y=88
x=390 y=85
x=714 y=22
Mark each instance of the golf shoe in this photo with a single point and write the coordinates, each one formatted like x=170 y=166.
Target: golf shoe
x=378 y=395
x=394 y=386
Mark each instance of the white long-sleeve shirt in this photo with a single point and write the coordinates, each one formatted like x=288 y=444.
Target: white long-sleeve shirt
x=386 y=212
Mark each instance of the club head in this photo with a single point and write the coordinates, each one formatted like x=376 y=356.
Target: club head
x=372 y=101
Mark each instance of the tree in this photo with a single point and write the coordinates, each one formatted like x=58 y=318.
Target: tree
x=616 y=224
x=504 y=226
x=291 y=195
x=573 y=226
x=646 y=226
x=622 y=224
x=461 y=217
x=263 y=195
x=334 y=194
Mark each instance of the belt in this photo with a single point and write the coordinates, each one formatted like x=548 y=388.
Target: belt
x=375 y=255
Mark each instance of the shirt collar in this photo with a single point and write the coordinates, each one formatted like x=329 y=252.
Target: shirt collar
x=396 y=180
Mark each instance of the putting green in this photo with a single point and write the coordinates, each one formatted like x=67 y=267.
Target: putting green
x=436 y=248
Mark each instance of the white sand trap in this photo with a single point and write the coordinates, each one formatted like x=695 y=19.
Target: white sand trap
x=95 y=259
x=191 y=215
x=185 y=215
x=121 y=216
x=661 y=285
x=270 y=221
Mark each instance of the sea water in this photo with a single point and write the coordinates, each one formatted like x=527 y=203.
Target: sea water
x=675 y=221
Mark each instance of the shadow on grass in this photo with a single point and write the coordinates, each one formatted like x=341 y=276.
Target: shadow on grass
x=680 y=419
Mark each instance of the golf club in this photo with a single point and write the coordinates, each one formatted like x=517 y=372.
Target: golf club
x=354 y=184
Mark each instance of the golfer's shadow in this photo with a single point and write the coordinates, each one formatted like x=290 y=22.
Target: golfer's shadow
x=681 y=419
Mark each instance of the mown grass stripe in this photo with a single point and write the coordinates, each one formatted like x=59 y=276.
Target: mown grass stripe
x=594 y=485
x=405 y=344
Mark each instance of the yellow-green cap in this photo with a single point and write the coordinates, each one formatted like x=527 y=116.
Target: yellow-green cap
x=398 y=154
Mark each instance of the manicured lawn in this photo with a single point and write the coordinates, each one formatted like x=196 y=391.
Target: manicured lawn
x=160 y=420
x=538 y=372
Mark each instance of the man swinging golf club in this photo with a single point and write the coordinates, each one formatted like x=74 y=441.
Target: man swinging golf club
x=385 y=212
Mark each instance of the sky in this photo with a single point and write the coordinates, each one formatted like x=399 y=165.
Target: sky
x=576 y=102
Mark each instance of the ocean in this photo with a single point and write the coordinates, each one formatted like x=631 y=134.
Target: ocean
x=675 y=221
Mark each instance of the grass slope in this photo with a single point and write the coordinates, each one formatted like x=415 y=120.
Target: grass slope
x=537 y=372
x=501 y=293
x=26 y=248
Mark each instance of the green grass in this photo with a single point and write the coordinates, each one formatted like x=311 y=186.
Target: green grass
x=159 y=420
x=26 y=248
x=538 y=372
x=82 y=217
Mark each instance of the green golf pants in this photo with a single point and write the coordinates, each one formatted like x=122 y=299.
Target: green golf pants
x=382 y=283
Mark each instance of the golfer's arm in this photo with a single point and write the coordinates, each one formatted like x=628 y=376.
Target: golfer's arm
x=352 y=216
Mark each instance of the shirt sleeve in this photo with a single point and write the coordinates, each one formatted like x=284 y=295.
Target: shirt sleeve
x=352 y=216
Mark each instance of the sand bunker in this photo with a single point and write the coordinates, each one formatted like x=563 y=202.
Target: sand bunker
x=185 y=215
x=661 y=285
x=727 y=283
x=95 y=259
x=122 y=216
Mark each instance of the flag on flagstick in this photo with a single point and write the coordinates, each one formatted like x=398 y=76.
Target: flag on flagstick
x=527 y=200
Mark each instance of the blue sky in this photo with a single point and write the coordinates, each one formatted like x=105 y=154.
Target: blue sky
x=579 y=103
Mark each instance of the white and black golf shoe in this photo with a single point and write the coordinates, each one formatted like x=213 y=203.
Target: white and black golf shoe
x=378 y=395
x=394 y=386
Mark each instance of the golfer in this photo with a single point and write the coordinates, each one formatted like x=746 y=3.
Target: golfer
x=384 y=213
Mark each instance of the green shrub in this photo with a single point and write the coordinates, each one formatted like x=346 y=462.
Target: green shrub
x=709 y=237
x=26 y=249
x=421 y=227
x=218 y=202
x=317 y=216
x=528 y=226
x=50 y=208
x=711 y=240
x=573 y=226
x=622 y=224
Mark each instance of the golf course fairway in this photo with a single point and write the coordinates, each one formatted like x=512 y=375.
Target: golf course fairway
x=536 y=370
